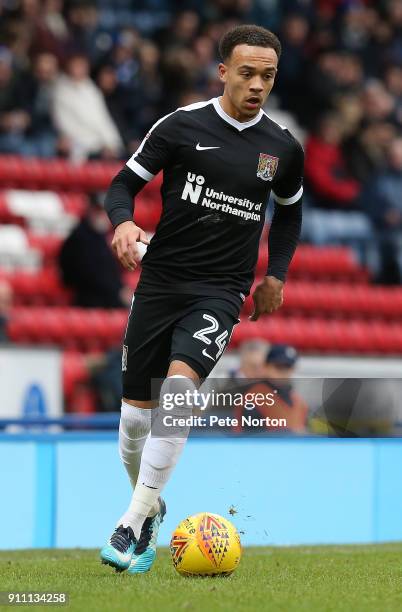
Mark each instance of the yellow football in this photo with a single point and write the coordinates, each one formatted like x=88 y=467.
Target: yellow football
x=205 y=544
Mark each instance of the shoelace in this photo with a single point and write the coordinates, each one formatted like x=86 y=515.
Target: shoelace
x=146 y=533
x=122 y=538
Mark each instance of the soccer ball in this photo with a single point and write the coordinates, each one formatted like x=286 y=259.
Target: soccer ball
x=205 y=544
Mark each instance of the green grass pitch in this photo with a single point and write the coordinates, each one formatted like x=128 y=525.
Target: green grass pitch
x=327 y=578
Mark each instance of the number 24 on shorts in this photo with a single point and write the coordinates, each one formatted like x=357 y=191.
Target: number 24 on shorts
x=220 y=341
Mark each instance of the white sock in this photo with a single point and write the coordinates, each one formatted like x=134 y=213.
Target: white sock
x=134 y=428
x=159 y=457
x=135 y=425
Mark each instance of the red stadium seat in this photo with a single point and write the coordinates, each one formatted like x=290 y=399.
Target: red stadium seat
x=71 y=328
x=338 y=300
x=75 y=371
x=41 y=288
x=319 y=262
x=319 y=335
x=49 y=245
x=60 y=174
x=74 y=204
x=328 y=307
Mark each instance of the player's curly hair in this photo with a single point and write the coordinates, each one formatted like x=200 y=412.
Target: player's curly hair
x=252 y=35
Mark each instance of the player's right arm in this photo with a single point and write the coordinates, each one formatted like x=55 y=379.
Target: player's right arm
x=151 y=156
x=119 y=204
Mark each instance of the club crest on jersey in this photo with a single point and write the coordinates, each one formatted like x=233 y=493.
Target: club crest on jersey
x=267 y=166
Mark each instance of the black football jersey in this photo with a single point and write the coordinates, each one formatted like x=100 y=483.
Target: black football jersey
x=217 y=178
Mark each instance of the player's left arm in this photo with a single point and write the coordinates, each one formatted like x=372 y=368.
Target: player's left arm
x=283 y=236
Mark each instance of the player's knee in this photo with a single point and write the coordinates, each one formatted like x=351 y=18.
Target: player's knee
x=178 y=395
x=173 y=417
x=134 y=422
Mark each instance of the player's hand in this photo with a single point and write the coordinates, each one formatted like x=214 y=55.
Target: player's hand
x=267 y=297
x=124 y=243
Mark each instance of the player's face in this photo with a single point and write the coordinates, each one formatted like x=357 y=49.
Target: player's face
x=249 y=76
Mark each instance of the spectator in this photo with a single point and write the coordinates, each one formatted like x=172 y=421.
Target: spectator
x=105 y=381
x=125 y=58
x=14 y=116
x=118 y=102
x=147 y=100
x=180 y=74
x=394 y=14
x=393 y=81
x=267 y=13
x=354 y=33
x=365 y=151
x=349 y=73
x=88 y=265
x=134 y=108
x=252 y=354
x=81 y=115
x=181 y=32
x=322 y=84
x=329 y=180
x=51 y=34
x=350 y=111
x=291 y=76
x=204 y=49
x=378 y=103
x=42 y=138
x=384 y=205
x=86 y=34
x=6 y=300
x=335 y=73
x=27 y=122
x=275 y=382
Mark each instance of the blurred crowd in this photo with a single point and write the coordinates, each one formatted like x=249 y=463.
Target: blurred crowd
x=87 y=78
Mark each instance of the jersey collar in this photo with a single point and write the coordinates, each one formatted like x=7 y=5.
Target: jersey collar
x=239 y=125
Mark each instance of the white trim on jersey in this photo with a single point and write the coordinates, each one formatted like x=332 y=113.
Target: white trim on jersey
x=140 y=170
x=196 y=105
x=291 y=200
x=134 y=165
x=240 y=125
x=283 y=127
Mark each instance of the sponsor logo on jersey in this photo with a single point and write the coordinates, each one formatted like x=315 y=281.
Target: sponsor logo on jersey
x=200 y=148
x=193 y=187
x=218 y=200
x=267 y=166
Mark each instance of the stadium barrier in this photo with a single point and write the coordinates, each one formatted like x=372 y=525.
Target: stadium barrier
x=67 y=489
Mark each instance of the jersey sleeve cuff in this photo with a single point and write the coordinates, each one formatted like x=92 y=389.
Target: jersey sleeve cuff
x=278 y=274
x=120 y=216
x=138 y=169
x=291 y=200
